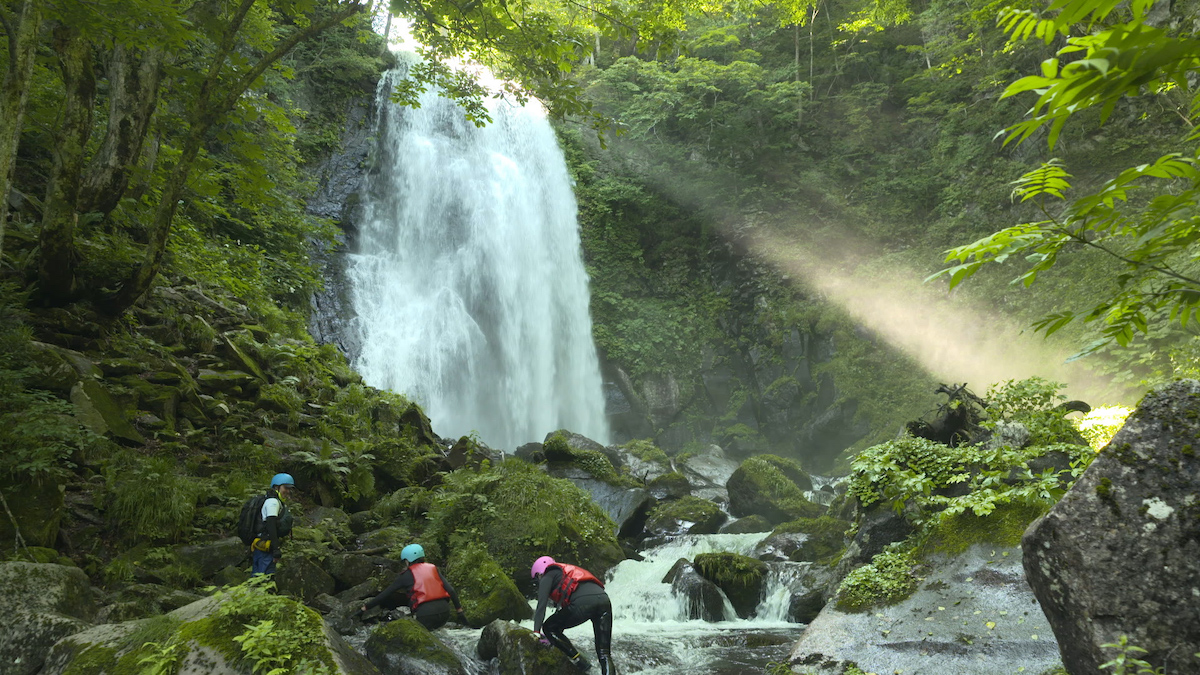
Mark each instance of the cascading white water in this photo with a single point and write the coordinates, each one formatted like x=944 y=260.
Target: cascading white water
x=468 y=282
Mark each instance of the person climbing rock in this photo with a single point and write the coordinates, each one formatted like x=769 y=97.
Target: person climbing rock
x=579 y=596
x=274 y=525
x=421 y=587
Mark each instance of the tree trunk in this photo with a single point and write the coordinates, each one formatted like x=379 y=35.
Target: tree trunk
x=209 y=106
x=56 y=267
x=133 y=81
x=21 y=29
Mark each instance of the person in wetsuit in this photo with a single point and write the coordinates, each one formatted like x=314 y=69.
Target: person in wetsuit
x=421 y=587
x=579 y=596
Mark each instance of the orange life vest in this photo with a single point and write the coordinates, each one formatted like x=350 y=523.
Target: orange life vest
x=572 y=577
x=427 y=585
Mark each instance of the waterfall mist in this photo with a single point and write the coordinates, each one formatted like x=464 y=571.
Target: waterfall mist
x=468 y=281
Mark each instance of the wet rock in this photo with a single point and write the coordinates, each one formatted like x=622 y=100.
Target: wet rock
x=119 y=647
x=518 y=652
x=405 y=646
x=804 y=589
x=1120 y=553
x=210 y=558
x=747 y=525
x=780 y=546
x=96 y=410
x=709 y=470
x=878 y=526
x=302 y=578
x=672 y=485
x=806 y=539
x=972 y=615
x=704 y=599
x=40 y=603
x=226 y=381
x=59 y=368
x=486 y=592
x=690 y=515
x=739 y=576
x=772 y=487
x=353 y=569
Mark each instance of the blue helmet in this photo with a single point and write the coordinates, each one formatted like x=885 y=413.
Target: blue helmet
x=412 y=553
x=282 y=479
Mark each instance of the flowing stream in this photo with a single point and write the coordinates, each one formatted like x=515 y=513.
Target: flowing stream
x=467 y=277
x=651 y=634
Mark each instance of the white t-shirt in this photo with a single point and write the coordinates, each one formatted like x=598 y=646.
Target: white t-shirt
x=271 y=507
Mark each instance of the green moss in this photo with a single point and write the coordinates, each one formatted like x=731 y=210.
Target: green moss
x=558 y=451
x=486 y=592
x=647 y=451
x=705 y=515
x=888 y=579
x=826 y=536
x=408 y=637
x=519 y=513
x=739 y=576
x=1003 y=527
x=771 y=486
x=675 y=484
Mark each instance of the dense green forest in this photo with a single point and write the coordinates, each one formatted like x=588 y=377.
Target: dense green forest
x=745 y=173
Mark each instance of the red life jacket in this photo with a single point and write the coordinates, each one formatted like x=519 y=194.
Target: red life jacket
x=427 y=585
x=572 y=577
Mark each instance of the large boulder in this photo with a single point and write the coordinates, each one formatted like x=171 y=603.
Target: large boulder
x=353 y=569
x=212 y=557
x=690 y=515
x=199 y=639
x=772 y=487
x=704 y=600
x=40 y=603
x=1119 y=555
x=741 y=578
x=708 y=471
x=485 y=590
x=973 y=614
x=517 y=652
x=805 y=539
x=405 y=646
x=303 y=579
x=801 y=592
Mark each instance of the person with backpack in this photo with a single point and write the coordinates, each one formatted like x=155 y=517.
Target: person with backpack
x=422 y=588
x=265 y=522
x=579 y=596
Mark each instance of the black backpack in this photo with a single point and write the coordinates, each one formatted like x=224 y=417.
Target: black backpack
x=250 y=522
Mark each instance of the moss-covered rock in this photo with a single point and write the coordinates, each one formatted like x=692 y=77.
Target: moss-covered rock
x=211 y=557
x=40 y=604
x=405 y=646
x=825 y=542
x=519 y=514
x=97 y=411
x=673 y=485
x=486 y=592
x=739 y=576
x=518 y=652
x=751 y=523
x=302 y=578
x=772 y=487
x=560 y=454
x=689 y=515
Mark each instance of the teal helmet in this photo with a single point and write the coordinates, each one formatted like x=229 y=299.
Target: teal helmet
x=412 y=553
x=283 y=479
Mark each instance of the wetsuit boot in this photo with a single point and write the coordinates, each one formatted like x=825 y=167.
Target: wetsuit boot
x=606 y=667
x=564 y=645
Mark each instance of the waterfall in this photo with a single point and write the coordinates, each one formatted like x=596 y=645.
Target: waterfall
x=467 y=276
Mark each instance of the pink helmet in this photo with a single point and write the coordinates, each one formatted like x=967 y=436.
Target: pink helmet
x=540 y=565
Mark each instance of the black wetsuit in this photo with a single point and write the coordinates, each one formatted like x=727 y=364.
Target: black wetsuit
x=588 y=602
x=432 y=614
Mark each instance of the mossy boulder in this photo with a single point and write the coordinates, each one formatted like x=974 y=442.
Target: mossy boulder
x=740 y=577
x=519 y=513
x=302 y=578
x=212 y=557
x=824 y=540
x=405 y=646
x=486 y=592
x=689 y=515
x=704 y=599
x=351 y=569
x=96 y=410
x=561 y=455
x=40 y=604
x=673 y=485
x=751 y=523
x=57 y=368
x=199 y=639
x=518 y=652
x=772 y=487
